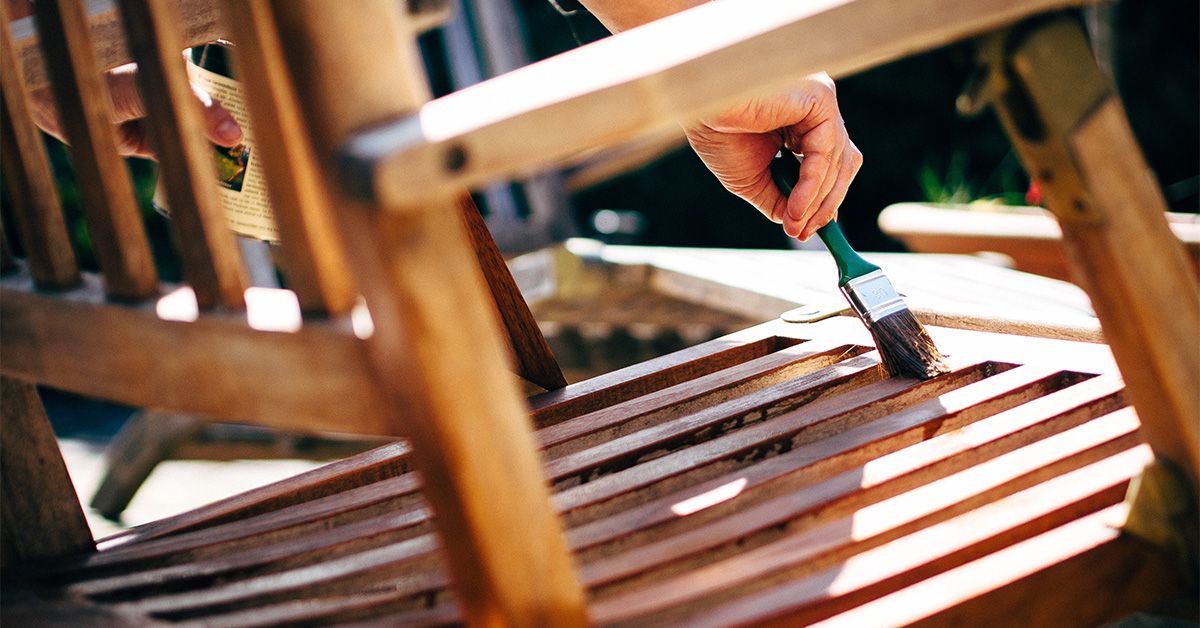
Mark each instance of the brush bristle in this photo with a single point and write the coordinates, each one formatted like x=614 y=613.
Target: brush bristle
x=906 y=348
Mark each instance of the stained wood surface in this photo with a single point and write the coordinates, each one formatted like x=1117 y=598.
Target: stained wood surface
x=1009 y=588
x=33 y=192
x=209 y=256
x=41 y=515
x=313 y=377
x=534 y=361
x=113 y=218
x=803 y=478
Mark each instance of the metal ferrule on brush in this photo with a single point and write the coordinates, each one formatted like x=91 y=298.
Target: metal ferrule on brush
x=873 y=297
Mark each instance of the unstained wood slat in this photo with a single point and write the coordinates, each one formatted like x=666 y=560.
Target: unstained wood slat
x=311 y=251
x=208 y=253
x=114 y=221
x=32 y=189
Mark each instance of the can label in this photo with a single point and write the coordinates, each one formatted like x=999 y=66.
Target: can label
x=242 y=186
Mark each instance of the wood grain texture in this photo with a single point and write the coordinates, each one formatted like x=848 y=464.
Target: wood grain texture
x=534 y=361
x=925 y=552
x=1088 y=559
x=32 y=190
x=218 y=366
x=550 y=111
x=113 y=218
x=41 y=514
x=311 y=252
x=436 y=339
x=209 y=256
x=201 y=24
x=1120 y=246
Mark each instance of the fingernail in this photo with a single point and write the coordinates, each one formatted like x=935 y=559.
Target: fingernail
x=229 y=131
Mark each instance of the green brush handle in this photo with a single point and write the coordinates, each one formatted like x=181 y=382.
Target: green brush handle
x=850 y=264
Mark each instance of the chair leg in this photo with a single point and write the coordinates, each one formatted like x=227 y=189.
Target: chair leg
x=40 y=511
x=146 y=440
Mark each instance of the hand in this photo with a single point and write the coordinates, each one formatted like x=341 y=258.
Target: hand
x=128 y=112
x=738 y=145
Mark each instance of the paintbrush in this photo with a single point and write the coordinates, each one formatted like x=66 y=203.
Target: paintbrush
x=904 y=346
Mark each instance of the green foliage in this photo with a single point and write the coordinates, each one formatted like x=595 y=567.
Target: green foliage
x=954 y=184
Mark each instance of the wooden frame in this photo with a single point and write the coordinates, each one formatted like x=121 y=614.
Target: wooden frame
x=776 y=477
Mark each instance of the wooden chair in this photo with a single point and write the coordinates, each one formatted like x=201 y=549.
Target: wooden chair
x=770 y=476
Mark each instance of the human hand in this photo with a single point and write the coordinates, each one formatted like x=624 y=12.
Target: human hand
x=738 y=145
x=128 y=113
x=127 y=108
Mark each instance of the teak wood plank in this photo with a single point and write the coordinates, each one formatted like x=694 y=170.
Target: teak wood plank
x=787 y=430
x=201 y=24
x=891 y=446
x=1096 y=574
x=113 y=218
x=41 y=513
x=32 y=189
x=341 y=475
x=1034 y=463
x=862 y=575
x=235 y=536
x=552 y=110
x=311 y=252
x=313 y=378
x=209 y=256
x=655 y=374
x=780 y=398
x=534 y=360
x=921 y=500
x=693 y=395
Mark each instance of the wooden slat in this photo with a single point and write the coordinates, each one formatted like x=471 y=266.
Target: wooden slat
x=874 y=572
x=436 y=340
x=311 y=252
x=1032 y=465
x=32 y=189
x=694 y=395
x=334 y=478
x=1120 y=246
x=208 y=253
x=552 y=110
x=638 y=379
x=1088 y=559
x=313 y=378
x=114 y=221
x=895 y=445
x=925 y=483
x=201 y=24
x=534 y=360
x=41 y=514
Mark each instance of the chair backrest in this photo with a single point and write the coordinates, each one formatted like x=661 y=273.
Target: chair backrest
x=431 y=364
